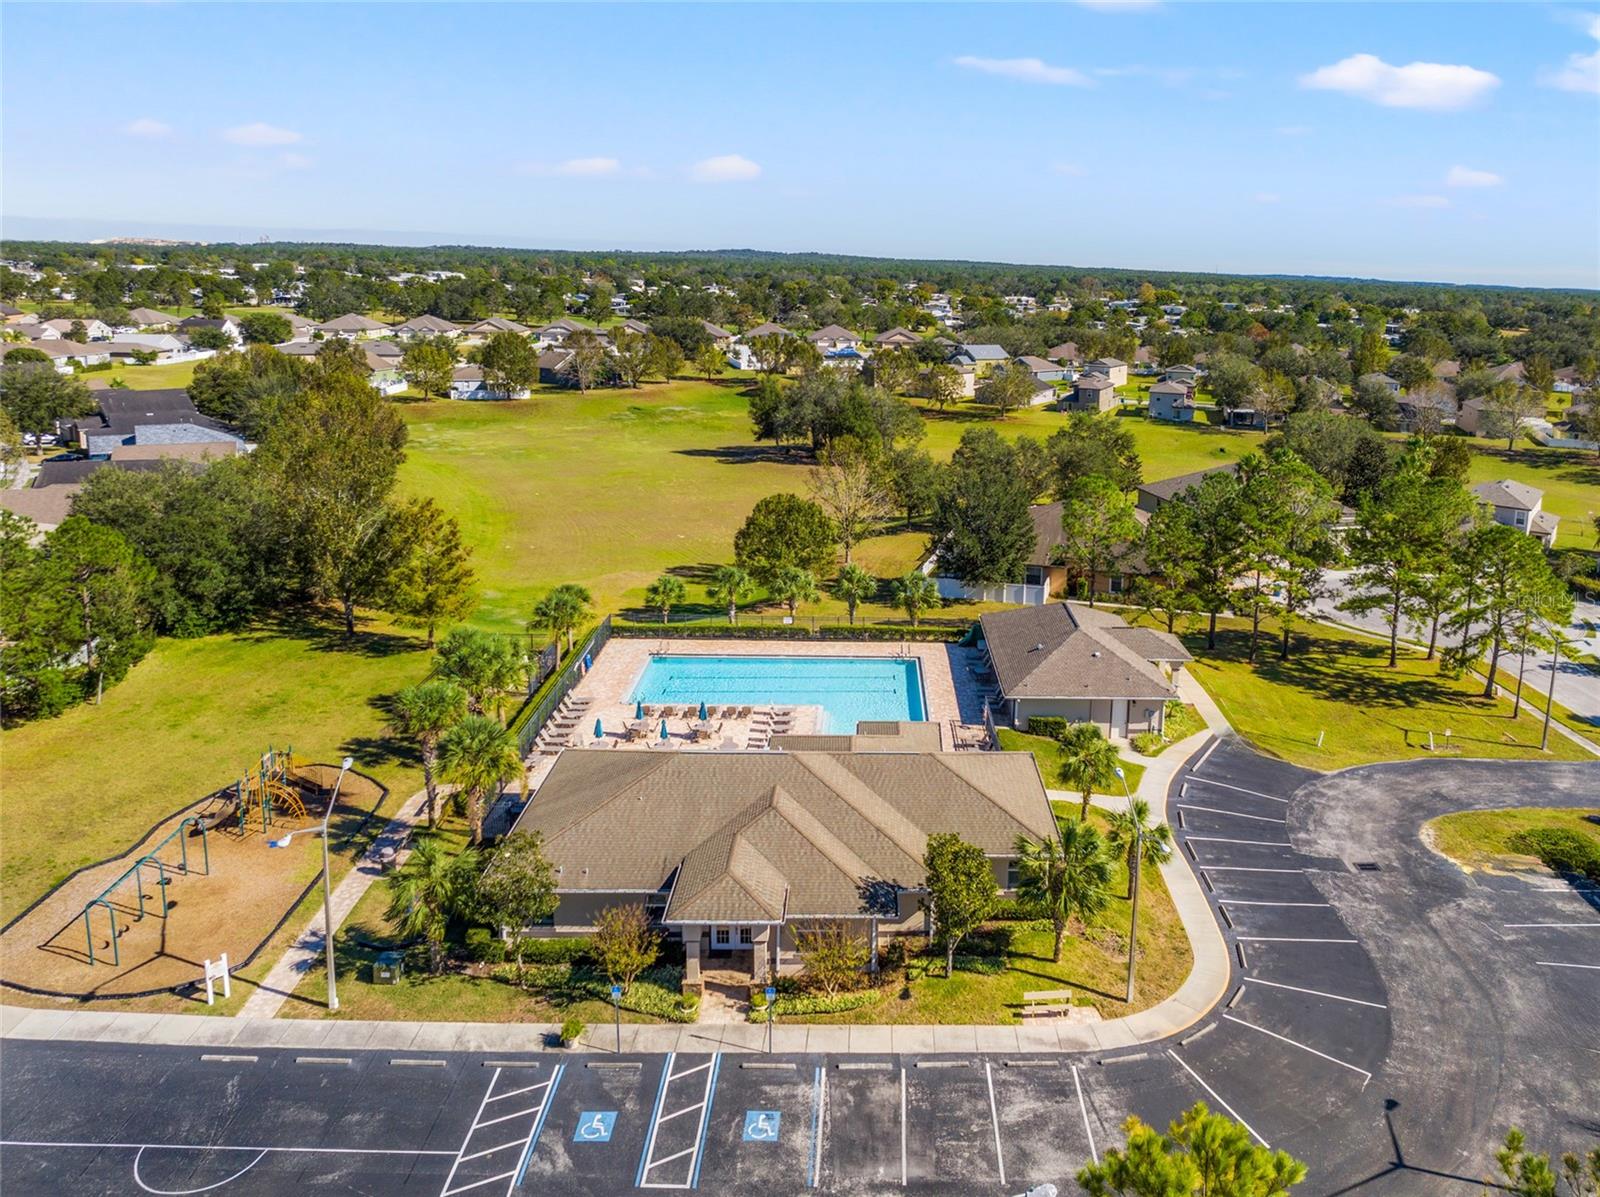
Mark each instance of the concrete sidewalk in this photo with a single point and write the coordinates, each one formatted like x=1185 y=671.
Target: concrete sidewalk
x=307 y=949
x=1205 y=985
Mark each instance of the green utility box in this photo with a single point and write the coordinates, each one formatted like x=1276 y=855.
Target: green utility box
x=388 y=968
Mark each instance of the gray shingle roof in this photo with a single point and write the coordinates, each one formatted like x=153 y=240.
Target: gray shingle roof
x=1063 y=650
x=1518 y=496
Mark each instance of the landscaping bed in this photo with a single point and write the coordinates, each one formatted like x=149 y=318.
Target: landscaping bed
x=1509 y=840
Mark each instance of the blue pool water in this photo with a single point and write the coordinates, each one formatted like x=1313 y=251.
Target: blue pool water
x=848 y=689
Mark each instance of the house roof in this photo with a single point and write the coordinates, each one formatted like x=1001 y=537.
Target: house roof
x=467 y=373
x=1181 y=369
x=986 y=353
x=206 y=322
x=7 y=310
x=1446 y=369
x=561 y=325
x=870 y=736
x=1095 y=382
x=46 y=506
x=1170 y=386
x=716 y=330
x=353 y=322
x=176 y=451
x=494 y=324
x=1168 y=489
x=767 y=329
x=1510 y=372
x=63 y=473
x=1107 y=363
x=1544 y=524
x=1518 y=496
x=428 y=323
x=896 y=336
x=1379 y=376
x=1067 y=350
x=1036 y=364
x=1144 y=356
x=833 y=332
x=758 y=837
x=634 y=326
x=1064 y=650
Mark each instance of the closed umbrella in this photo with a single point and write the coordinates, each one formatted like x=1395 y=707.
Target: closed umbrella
x=599 y=730
x=638 y=710
x=703 y=714
x=663 y=729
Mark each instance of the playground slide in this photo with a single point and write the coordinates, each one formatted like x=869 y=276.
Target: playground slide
x=227 y=813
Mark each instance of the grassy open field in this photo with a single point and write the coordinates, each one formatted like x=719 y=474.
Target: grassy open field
x=1570 y=480
x=1480 y=839
x=145 y=378
x=1338 y=683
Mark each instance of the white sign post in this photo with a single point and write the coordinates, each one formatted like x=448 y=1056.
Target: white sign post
x=215 y=972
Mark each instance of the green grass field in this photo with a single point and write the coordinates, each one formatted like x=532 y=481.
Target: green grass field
x=1479 y=839
x=1049 y=754
x=1339 y=683
x=1570 y=481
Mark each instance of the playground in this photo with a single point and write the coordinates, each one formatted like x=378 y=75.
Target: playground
x=215 y=877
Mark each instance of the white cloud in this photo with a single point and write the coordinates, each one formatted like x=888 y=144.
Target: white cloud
x=588 y=167
x=147 y=126
x=1581 y=72
x=725 y=168
x=293 y=161
x=1027 y=70
x=1419 y=201
x=1432 y=85
x=260 y=133
x=1267 y=197
x=1465 y=176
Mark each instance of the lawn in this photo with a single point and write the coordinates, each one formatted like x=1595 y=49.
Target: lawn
x=1339 y=684
x=146 y=378
x=1049 y=754
x=1570 y=480
x=188 y=719
x=1478 y=840
x=1094 y=964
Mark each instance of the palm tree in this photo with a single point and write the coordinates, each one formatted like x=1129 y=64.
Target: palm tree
x=478 y=755
x=482 y=664
x=430 y=887
x=665 y=593
x=423 y=713
x=728 y=585
x=792 y=586
x=853 y=586
x=562 y=610
x=914 y=592
x=1089 y=761
x=1140 y=841
x=1069 y=877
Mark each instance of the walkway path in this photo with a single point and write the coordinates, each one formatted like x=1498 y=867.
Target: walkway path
x=280 y=982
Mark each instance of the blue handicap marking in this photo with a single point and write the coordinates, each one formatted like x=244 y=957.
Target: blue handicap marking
x=594 y=1126
x=761 y=1126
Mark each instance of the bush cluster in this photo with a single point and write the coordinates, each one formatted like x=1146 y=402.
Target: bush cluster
x=1562 y=850
x=1052 y=726
x=794 y=1004
x=1148 y=743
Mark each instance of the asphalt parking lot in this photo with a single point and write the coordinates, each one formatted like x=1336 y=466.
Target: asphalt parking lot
x=1387 y=1018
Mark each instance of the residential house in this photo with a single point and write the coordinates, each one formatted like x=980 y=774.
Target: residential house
x=733 y=853
x=1083 y=664
x=1477 y=417
x=1568 y=381
x=427 y=325
x=1510 y=372
x=896 y=338
x=631 y=325
x=1518 y=505
x=63 y=354
x=1447 y=371
x=1042 y=370
x=1066 y=353
x=1189 y=375
x=1144 y=360
x=353 y=326
x=984 y=359
x=227 y=324
x=767 y=329
x=1116 y=371
x=92 y=329
x=1428 y=408
x=1091 y=393
x=168 y=347
x=554 y=333
x=1392 y=385
x=37 y=330
x=151 y=318
x=555 y=367
x=154 y=417
x=467 y=382
x=833 y=336
x=1042 y=568
x=1152 y=495
x=1173 y=401
x=720 y=337
x=46 y=506
x=847 y=357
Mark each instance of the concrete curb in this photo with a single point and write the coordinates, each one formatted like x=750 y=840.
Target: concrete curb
x=1204 y=987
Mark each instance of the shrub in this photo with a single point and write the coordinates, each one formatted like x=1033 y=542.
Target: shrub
x=1148 y=743
x=986 y=966
x=572 y=1030
x=1047 y=725
x=1560 y=849
x=1014 y=910
x=556 y=951
x=483 y=947
x=794 y=1005
x=935 y=633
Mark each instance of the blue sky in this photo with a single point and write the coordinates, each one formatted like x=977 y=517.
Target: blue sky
x=1428 y=141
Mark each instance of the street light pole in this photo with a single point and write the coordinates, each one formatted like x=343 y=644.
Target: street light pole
x=1133 y=886
x=327 y=887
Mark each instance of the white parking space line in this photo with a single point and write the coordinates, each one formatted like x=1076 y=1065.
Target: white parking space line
x=1239 y=789
x=523 y=1143
x=1296 y=1043
x=1586 y=924
x=1237 y=814
x=819 y=1096
x=904 y=1169
x=696 y=1148
x=467 y=1138
x=1317 y=993
x=1206 y=755
x=1217 y=839
x=1083 y=1109
x=1258 y=902
x=1288 y=939
x=994 y=1119
x=1211 y=868
x=1560 y=964
x=85 y=1144
x=1232 y=1113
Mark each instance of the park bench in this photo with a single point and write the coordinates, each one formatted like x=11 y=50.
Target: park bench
x=1043 y=1003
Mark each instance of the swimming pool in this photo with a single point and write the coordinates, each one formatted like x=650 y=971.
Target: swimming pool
x=848 y=689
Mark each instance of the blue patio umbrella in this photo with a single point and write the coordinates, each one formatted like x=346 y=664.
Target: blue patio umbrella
x=703 y=715
x=638 y=710
x=663 y=729
x=599 y=730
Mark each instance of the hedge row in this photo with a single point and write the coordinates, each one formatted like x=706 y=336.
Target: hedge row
x=654 y=993
x=789 y=1005
x=728 y=631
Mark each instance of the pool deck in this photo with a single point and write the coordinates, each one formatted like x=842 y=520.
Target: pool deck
x=609 y=683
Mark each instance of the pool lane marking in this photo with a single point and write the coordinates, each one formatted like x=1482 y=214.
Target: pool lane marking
x=538 y=1125
x=1237 y=814
x=994 y=1119
x=1215 y=1096
x=1296 y=1043
x=1226 y=786
x=819 y=1091
x=1084 y=1110
x=1317 y=993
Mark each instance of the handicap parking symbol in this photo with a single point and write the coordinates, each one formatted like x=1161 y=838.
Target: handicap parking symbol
x=594 y=1126
x=761 y=1126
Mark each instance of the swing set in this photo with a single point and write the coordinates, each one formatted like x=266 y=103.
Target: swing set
x=135 y=874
